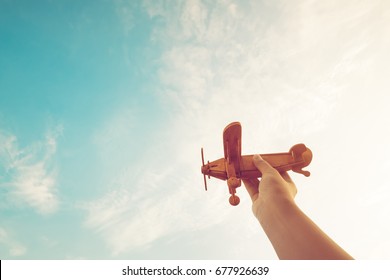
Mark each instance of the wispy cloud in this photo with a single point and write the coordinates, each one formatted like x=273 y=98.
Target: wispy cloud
x=278 y=67
x=125 y=12
x=232 y=59
x=30 y=173
x=15 y=248
x=144 y=206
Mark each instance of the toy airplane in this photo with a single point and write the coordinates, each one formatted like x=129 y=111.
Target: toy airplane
x=234 y=167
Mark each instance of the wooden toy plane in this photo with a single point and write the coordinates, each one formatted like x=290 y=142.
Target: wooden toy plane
x=234 y=167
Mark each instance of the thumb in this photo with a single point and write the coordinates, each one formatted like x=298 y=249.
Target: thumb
x=263 y=166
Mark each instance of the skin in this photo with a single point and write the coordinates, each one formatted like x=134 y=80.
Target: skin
x=292 y=234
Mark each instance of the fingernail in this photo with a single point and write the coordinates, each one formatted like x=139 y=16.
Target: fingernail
x=257 y=158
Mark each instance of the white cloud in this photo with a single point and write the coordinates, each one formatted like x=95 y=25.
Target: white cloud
x=289 y=71
x=310 y=71
x=125 y=10
x=30 y=174
x=15 y=249
x=147 y=205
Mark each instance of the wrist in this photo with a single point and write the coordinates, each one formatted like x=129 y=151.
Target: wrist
x=275 y=208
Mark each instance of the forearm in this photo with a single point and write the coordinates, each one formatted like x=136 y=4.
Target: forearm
x=294 y=235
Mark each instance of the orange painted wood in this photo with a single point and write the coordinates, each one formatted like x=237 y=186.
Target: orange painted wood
x=234 y=166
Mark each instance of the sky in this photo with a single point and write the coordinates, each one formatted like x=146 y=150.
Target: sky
x=104 y=106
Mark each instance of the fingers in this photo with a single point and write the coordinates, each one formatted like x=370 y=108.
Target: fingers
x=263 y=166
x=286 y=177
x=252 y=186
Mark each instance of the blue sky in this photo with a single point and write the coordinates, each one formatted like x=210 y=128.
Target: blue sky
x=104 y=106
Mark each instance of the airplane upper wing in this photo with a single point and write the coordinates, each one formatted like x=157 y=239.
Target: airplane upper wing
x=232 y=142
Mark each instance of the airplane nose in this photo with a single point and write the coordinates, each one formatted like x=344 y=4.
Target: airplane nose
x=204 y=169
